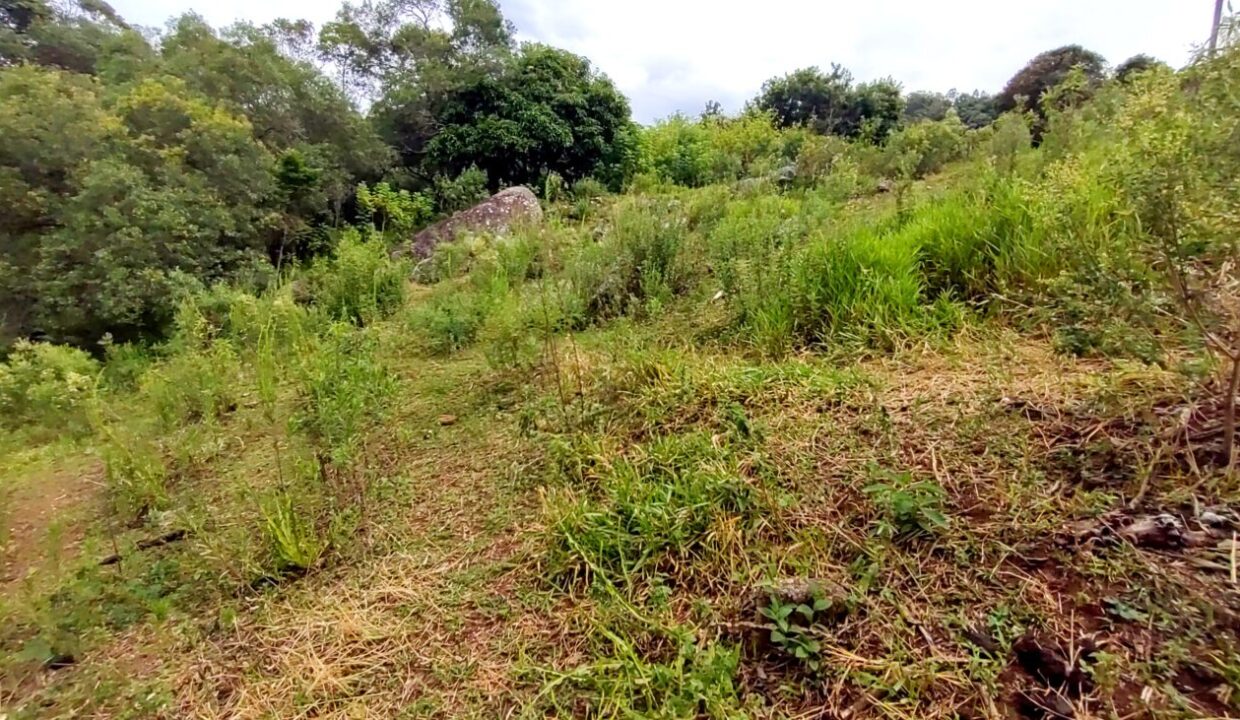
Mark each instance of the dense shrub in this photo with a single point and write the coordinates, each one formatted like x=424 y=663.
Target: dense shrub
x=360 y=283
x=46 y=387
x=640 y=267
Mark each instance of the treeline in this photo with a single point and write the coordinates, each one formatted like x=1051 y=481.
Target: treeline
x=138 y=166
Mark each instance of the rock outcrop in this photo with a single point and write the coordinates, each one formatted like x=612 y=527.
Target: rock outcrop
x=497 y=214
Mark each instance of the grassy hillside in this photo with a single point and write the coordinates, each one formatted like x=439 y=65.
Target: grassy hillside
x=755 y=449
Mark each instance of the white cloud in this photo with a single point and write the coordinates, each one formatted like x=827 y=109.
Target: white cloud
x=669 y=55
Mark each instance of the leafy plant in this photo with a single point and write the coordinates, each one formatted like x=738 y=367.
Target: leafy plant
x=343 y=389
x=795 y=628
x=46 y=386
x=907 y=507
x=293 y=537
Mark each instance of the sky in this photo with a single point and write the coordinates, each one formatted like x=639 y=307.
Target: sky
x=675 y=55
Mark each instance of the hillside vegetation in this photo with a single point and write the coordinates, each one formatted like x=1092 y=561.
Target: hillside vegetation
x=896 y=416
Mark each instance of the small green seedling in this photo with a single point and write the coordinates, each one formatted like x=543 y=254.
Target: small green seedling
x=795 y=627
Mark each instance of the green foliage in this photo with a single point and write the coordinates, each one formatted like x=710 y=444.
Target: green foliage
x=907 y=508
x=46 y=388
x=135 y=473
x=675 y=150
x=976 y=109
x=535 y=111
x=343 y=389
x=451 y=321
x=1131 y=68
x=640 y=268
x=922 y=105
x=461 y=192
x=926 y=147
x=197 y=385
x=396 y=211
x=795 y=628
x=294 y=540
x=360 y=283
x=650 y=511
x=1026 y=89
x=829 y=103
x=151 y=184
x=695 y=682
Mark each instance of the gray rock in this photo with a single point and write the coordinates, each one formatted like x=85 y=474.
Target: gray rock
x=497 y=214
x=885 y=186
x=786 y=175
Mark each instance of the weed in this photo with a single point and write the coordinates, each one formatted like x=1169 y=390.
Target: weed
x=294 y=540
x=907 y=508
x=360 y=283
x=795 y=628
x=343 y=389
x=654 y=511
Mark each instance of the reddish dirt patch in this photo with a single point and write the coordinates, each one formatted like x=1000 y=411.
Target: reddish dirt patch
x=34 y=504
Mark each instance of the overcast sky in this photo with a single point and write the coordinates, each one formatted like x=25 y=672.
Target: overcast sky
x=669 y=55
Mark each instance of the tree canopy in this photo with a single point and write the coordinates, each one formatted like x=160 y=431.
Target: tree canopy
x=1026 y=88
x=829 y=103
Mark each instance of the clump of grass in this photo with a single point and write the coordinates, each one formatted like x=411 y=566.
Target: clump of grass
x=360 y=283
x=195 y=385
x=698 y=680
x=654 y=511
x=640 y=267
x=343 y=390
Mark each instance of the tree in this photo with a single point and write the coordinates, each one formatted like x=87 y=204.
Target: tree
x=873 y=110
x=922 y=105
x=976 y=109
x=379 y=44
x=1136 y=65
x=808 y=98
x=1026 y=88
x=547 y=111
x=67 y=36
x=828 y=103
x=290 y=104
x=116 y=199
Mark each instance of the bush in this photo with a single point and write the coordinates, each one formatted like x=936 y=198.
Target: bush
x=675 y=150
x=360 y=283
x=639 y=267
x=195 y=385
x=461 y=192
x=343 y=390
x=926 y=147
x=46 y=386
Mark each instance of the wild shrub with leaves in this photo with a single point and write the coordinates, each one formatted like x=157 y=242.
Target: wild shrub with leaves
x=46 y=387
x=360 y=283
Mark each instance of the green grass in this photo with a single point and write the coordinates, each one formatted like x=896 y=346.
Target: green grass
x=558 y=474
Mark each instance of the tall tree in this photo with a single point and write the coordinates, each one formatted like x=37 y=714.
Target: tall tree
x=828 y=103
x=547 y=111
x=1027 y=86
x=808 y=98
x=922 y=105
x=976 y=109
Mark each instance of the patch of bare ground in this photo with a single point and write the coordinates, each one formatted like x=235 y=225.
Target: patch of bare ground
x=44 y=512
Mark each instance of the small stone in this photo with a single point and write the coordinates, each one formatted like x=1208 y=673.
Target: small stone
x=447 y=420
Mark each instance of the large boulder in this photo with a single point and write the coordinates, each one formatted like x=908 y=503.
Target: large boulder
x=497 y=214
